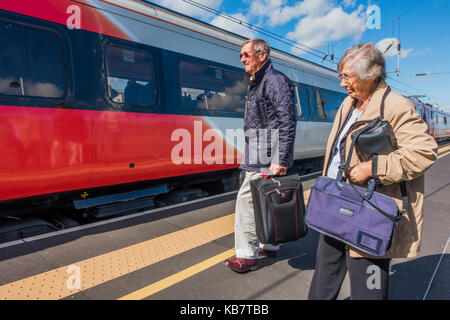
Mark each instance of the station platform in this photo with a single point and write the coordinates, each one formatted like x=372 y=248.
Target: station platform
x=176 y=254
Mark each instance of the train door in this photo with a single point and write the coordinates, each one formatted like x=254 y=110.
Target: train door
x=127 y=137
x=42 y=138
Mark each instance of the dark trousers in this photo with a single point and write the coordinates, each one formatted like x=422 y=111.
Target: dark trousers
x=369 y=278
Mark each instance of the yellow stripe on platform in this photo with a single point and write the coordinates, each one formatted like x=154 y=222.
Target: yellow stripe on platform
x=186 y=273
x=443 y=155
x=71 y=279
x=443 y=149
x=82 y=275
x=178 y=277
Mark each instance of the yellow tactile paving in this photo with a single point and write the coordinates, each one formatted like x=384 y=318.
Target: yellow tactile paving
x=70 y=279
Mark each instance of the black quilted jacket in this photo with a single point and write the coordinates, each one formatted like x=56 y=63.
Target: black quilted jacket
x=269 y=120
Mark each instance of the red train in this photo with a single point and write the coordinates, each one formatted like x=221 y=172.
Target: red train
x=96 y=95
x=107 y=101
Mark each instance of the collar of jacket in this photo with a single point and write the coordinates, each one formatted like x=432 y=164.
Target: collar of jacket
x=373 y=108
x=260 y=73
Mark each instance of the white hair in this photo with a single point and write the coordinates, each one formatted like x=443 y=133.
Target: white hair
x=365 y=60
x=259 y=45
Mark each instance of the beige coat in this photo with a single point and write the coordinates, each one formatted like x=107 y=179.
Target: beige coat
x=416 y=152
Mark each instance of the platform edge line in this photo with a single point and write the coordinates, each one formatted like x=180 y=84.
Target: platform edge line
x=178 y=277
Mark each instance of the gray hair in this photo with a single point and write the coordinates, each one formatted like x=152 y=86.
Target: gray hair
x=259 y=45
x=366 y=61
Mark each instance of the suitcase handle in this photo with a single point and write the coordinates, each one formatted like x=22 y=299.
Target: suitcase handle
x=266 y=175
x=269 y=177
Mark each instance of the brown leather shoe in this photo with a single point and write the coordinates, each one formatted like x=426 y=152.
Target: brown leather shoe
x=242 y=265
x=269 y=253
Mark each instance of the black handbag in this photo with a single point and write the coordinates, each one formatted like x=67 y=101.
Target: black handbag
x=376 y=138
x=279 y=209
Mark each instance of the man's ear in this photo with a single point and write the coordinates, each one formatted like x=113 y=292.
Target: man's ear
x=263 y=56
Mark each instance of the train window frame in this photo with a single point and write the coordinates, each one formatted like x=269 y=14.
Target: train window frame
x=319 y=103
x=298 y=104
x=305 y=109
x=65 y=64
x=210 y=64
x=127 y=106
x=421 y=112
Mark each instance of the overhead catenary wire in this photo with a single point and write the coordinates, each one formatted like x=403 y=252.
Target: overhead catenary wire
x=427 y=74
x=317 y=53
x=411 y=87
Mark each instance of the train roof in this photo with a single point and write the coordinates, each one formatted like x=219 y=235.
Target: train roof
x=174 y=16
x=416 y=102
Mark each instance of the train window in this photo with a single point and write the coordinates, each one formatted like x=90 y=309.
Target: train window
x=445 y=120
x=130 y=76
x=302 y=96
x=327 y=104
x=31 y=62
x=210 y=89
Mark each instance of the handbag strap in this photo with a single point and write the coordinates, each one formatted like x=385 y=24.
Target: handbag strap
x=345 y=165
x=403 y=183
x=390 y=217
x=372 y=183
x=388 y=90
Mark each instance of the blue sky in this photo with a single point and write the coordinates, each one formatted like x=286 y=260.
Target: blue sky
x=334 y=25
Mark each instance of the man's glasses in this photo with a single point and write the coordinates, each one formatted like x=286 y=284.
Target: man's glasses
x=247 y=54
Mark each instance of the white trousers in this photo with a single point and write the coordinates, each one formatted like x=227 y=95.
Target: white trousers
x=246 y=241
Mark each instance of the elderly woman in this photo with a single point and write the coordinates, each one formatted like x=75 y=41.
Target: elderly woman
x=362 y=73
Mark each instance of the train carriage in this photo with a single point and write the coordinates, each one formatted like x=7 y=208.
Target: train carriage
x=103 y=101
x=438 y=121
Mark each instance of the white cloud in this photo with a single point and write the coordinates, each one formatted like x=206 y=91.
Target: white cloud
x=389 y=47
x=277 y=13
x=349 y=3
x=237 y=28
x=189 y=9
x=336 y=24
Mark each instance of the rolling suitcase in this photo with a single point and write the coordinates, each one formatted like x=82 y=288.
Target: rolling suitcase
x=279 y=209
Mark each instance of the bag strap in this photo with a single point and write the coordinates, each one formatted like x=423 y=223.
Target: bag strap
x=372 y=182
x=393 y=219
x=344 y=167
x=344 y=139
x=388 y=90
x=403 y=183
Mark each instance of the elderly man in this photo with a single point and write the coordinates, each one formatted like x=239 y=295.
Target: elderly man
x=269 y=125
x=362 y=72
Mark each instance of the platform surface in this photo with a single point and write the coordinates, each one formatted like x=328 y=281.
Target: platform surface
x=177 y=254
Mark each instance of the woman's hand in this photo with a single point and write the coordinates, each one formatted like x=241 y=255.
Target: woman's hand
x=361 y=172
